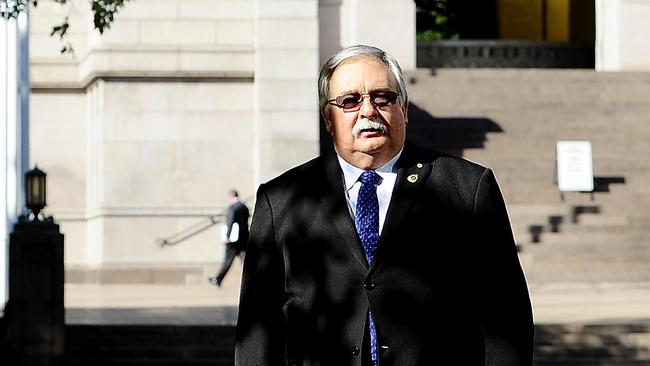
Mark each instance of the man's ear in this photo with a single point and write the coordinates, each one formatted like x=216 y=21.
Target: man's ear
x=328 y=123
x=405 y=111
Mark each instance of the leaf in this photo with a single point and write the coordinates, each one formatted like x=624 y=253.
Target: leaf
x=67 y=48
x=60 y=29
x=103 y=15
x=10 y=10
x=104 y=12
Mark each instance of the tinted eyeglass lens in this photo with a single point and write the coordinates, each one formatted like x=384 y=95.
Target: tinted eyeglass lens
x=383 y=98
x=351 y=102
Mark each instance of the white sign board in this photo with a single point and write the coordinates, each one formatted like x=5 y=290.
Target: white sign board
x=574 y=166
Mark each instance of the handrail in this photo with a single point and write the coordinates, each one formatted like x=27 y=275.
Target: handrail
x=195 y=229
x=190 y=231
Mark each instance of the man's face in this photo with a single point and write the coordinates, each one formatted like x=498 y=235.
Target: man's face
x=380 y=129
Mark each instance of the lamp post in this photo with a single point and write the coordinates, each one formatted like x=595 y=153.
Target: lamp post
x=35 y=191
x=35 y=309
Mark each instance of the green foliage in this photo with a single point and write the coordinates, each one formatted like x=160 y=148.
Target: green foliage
x=431 y=35
x=103 y=15
x=61 y=30
x=104 y=12
x=434 y=20
x=11 y=8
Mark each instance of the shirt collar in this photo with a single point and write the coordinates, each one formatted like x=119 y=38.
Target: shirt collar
x=351 y=173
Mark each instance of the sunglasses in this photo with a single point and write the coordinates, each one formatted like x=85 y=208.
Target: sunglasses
x=351 y=102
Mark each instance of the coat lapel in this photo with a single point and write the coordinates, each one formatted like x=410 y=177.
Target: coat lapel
x=336 y=208
x=411 y=176
x=412 y=173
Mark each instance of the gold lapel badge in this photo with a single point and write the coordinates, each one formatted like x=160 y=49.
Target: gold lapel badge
x=419 y=165
x=412 y=178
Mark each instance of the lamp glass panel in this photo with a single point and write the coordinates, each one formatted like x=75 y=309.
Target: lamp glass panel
x=36 y=190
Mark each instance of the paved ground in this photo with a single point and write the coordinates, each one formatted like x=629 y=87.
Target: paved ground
x=155 y=304
x=207 y=304
x=602 y=303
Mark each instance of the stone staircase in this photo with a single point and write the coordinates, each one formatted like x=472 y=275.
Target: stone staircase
x=592 y=345
x=149 y=345
x=510 y=121
x=126 y=345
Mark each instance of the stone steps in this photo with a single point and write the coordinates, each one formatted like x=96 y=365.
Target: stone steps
x=568 y=233
x=148 y=345
x=122 y=345
x=596 y=222
x=510 y=120
x=589 y=253
x=617 y=234
x=139 y=273
x=605 y=145
x=592 y=345
x=580 y=271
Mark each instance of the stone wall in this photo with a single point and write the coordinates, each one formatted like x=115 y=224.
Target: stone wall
x=387 y=24
x=621 y=29
x=142 y=130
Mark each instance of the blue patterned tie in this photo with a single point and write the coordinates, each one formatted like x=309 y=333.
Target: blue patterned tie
x=367 y=222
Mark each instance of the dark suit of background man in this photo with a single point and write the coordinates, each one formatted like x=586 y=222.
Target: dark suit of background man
x=413 y=265
x=237 y=213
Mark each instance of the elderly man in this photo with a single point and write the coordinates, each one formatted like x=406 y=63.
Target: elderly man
x=383 y=253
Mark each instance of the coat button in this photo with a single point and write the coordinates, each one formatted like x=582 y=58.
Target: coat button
x=356 y=351
x=369 y=285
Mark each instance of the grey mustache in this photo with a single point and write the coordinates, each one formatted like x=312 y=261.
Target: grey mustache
x=362 y=125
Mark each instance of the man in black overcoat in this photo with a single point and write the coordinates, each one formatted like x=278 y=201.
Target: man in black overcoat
x=383 y=253
x=235 y=235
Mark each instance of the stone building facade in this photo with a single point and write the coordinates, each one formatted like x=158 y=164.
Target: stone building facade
x=143 y=129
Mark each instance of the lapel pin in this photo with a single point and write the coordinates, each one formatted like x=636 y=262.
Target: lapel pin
x=419 y=165
x=412 y=178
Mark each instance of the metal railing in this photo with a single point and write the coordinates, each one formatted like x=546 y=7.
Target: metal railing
x=190 y=231
x=503 y=54
x=196 y=228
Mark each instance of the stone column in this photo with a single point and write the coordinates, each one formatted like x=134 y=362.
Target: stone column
x=387 y=24
x=286 y=94
x=329 y=19
x=607 y=35
x=621 y=29
x=94 y=231
x=8 y=179
x=14 y=120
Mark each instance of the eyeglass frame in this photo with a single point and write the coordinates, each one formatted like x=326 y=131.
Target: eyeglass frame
x=363 y=95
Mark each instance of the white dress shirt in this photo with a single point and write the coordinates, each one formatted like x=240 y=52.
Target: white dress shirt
x=388 y=175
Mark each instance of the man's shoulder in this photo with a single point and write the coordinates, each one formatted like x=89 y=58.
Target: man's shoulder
x=440 y=161
x=299 y=175
x=239 y=206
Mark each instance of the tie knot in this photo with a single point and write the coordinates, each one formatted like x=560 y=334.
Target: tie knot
x=369 y=176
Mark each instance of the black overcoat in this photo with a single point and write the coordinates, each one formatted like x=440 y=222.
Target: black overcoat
x=237 y=213
x=445 y=287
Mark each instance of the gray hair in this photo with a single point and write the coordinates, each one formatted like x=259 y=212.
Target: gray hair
x=328 y=68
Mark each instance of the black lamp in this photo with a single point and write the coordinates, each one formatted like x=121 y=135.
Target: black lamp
x=35 y=191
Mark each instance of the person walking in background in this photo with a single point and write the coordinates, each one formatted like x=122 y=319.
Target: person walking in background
x=382 y=253
x=235 y=235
